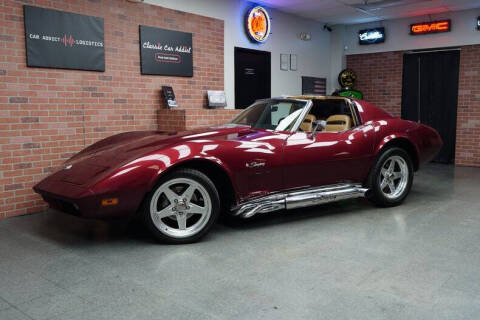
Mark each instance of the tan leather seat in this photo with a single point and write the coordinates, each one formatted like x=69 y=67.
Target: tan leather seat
x=307 y=124
x=338 y=122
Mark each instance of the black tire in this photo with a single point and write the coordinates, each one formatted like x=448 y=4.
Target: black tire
x=210 y=188
x=376 y=194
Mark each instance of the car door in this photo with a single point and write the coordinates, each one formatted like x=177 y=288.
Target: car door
x=258 y=166
x=328 y=157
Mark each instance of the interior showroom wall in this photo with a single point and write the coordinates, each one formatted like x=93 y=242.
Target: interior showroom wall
x=313 y=55
x=47 y=115
x=379 y=69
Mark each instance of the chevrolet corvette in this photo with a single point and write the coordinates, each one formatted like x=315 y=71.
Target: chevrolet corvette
x=280 y=153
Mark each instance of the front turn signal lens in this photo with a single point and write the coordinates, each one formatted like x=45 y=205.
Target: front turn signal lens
x=109 y=202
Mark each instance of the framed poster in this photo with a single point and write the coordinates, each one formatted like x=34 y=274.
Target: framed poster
x=293 y=62
x=166 y=52
x=284 y=61
x=57 y=39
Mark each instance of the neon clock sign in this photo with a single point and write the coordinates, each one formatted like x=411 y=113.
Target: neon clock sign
x=258 y=24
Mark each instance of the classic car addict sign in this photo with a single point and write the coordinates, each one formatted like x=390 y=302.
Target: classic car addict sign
x=56 y=39
x=166 y=52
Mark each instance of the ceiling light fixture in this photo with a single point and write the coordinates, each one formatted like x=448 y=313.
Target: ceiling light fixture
x=305 y=36
x=382 y=4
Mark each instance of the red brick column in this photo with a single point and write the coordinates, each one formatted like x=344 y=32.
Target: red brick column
x=468 y=112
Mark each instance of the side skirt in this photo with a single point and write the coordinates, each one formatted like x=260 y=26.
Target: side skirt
x=298 y=199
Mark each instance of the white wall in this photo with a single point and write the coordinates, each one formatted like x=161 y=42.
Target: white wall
x=398 y=36
x=337 y=55
x=313 y=56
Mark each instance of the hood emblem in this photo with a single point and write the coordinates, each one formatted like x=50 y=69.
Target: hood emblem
x=68 y=167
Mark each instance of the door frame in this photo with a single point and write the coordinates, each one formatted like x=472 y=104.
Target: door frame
x=418 y=53
x=268 y=55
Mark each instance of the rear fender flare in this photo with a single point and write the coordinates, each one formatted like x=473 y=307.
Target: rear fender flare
x=401 y=140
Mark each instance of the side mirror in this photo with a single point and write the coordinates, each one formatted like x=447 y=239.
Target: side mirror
x=318 y=124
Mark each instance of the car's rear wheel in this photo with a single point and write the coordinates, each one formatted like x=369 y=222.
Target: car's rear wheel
x=182 y=207
x=391 y=178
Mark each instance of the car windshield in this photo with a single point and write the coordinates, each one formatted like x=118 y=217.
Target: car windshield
x=278 y=115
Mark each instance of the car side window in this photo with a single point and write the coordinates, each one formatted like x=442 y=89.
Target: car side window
x=272 y=115
x=335 y=115
x=279 y=112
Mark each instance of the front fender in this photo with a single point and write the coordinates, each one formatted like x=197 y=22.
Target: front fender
x=189 y=161
x=134 y=179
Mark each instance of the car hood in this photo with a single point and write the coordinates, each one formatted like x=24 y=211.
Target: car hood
x=130 y=145
x=104 y=156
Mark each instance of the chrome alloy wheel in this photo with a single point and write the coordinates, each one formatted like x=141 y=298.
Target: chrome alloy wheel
x=180 y=207
x=393 y=178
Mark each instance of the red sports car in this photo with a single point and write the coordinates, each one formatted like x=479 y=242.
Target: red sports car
x=279 y=153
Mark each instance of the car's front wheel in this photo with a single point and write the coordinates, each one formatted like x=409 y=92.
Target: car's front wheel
x=391 y=177
x=182 y=207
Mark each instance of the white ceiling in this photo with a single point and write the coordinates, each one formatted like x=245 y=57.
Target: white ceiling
x=359 y=11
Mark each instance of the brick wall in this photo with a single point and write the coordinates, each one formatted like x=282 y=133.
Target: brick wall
x=467 y=150
x=46 y=115
x=380 y=80
x=379 y=77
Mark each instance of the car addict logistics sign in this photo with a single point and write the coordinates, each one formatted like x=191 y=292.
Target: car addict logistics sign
x=166 y=52
x=57 y=39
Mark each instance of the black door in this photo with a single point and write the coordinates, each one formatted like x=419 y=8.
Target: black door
x=252 y=76
x=430 y=95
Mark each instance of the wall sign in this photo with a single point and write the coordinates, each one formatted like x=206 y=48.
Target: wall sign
x=430 y=27
x=166 y=52
x=316 y=86
x=258 y=24
x=57 y=39
x=371 y=36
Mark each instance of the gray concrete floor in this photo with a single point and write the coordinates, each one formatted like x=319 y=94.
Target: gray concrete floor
x=347 y=260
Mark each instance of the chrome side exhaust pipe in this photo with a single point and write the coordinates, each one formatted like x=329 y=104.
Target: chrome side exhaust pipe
x=298 y=199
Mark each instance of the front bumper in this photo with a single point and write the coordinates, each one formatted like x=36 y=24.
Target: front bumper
x=75 y=200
